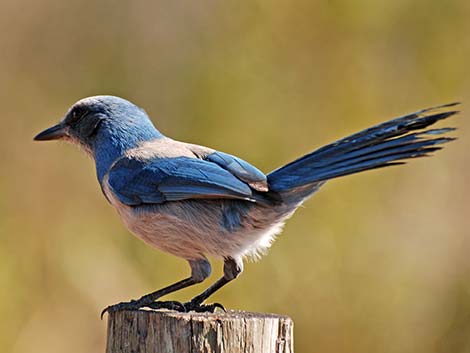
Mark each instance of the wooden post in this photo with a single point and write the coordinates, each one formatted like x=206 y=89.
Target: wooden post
x=148 y=331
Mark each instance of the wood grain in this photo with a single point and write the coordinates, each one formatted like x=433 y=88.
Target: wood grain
x=167 y=331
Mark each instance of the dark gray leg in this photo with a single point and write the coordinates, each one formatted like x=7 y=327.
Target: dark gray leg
x=200 y=270
x=232 y=269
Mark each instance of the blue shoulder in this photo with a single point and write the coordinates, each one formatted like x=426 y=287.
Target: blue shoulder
x=157 y=180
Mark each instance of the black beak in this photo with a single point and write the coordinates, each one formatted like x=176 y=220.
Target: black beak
x=53 y=133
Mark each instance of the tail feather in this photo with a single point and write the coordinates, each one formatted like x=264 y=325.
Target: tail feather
x=404 y=144
x=380 y=146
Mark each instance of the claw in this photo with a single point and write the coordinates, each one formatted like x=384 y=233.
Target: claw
x=220 y=306
x=104 y=311
x=132 y=305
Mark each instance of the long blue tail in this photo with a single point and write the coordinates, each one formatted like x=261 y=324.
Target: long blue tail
x=380 y=146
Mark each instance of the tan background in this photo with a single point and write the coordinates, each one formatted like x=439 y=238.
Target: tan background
x=377 y=262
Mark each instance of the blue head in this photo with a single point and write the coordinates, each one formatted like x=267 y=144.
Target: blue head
x=105 y=127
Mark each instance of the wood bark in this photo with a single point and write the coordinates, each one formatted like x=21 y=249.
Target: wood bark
x=146 y=331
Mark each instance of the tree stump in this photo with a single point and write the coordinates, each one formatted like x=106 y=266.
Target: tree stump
x=167 y=331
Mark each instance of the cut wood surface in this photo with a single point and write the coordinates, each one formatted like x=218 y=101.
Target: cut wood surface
x=167 y=331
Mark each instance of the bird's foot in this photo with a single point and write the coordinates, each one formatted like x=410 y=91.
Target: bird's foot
x=170 y=305
x=185 y=307
x=134 y=305
x=139 y=304
x=203 y=308
x=131 y=305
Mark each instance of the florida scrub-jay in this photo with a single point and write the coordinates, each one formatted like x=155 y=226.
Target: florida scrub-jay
x=193 y=201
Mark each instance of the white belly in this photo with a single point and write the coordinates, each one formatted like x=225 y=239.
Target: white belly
x=190 y=229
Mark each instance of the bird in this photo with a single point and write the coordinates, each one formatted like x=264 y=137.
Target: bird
x=196 y=202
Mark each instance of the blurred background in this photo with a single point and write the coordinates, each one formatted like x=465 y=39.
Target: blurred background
x=377 y=262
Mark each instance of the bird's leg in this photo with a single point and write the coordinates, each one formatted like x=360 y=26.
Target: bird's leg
x=232 y=269
x=200 y=270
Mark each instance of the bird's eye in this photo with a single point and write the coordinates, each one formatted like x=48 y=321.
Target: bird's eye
x=75 y=116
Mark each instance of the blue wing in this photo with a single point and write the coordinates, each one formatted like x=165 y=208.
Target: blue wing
x=241 y=169
x=157 y=180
